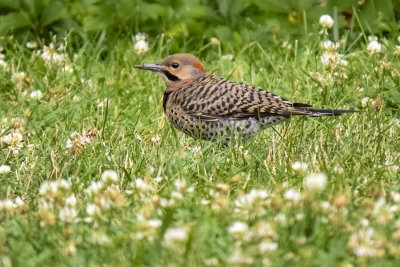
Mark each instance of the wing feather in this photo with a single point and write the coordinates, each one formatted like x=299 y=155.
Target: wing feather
x=211 y=98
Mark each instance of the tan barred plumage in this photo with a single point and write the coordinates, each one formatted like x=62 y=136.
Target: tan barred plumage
x=210 y=107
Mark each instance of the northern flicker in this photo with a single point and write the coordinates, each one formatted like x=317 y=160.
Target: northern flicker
x=210 y=107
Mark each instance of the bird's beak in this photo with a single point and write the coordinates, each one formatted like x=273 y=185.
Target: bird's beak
x=152 y=67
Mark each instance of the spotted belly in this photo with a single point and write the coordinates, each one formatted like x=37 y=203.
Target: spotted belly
x=225 y=128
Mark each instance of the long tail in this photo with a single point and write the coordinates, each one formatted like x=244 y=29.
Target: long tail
x=305 y=109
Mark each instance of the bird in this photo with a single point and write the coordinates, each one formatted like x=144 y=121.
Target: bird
x=213 y=108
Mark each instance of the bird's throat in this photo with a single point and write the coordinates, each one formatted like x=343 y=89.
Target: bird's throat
x=170 y=76
x=165 y=99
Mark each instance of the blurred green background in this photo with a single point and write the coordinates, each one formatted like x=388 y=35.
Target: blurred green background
x=191 y=21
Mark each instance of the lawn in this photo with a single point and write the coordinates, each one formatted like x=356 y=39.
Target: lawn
x=93 y=174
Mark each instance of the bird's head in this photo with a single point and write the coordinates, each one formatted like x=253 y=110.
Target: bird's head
x=176 y=70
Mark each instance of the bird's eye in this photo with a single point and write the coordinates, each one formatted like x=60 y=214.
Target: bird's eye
x=175 y=65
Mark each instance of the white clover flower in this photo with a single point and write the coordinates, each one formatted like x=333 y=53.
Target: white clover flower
x=140 y=36
x=94 y=188
x=105 y=202
x=69 y=144
x=159 y=179
x=367 y=243
x=93 y=210
x=299 y=166
x=5 y=169
x=266 y=246
x=67 y=68
x=68 y=214
x=239 y=259
x=18 y=203
x=49 y=54
x=167 y=202
x=196 y=149
x=70 y=201
x=330 y=46
x=331 y=59
x=227 y=57
x=51 y=187
x=141 y=47
x=364 y=222
x=214 y=41
x=253 y=203
x=315 y=182
x=280 y=218
x=9 y=204
x=175 y=235
x=37 y=94
x=287 y=45
x=325 y=205
x=396 y=51
x=180 y=184
x=263 y=229
x=6 y=205
x=190 y=189
x=395 y=197
x=366 y=101
x=326 y=21
x=79 y=141
x=156 y=139
x=109 y=177
x=204 y=202
x=152 y=169
x=14 y=141
x=18 y=77
x=176 y=195
x=239 y=230
x=293 y=195
x=374 y=47
x=31 y=45
x=63 y=184
x=142 y=186
x=343 y=62
x=44 y=205
x=253 y=196
x=384 y=212
x=3 y=64
x=45 y=188
x=70 y=249
x=154 y=223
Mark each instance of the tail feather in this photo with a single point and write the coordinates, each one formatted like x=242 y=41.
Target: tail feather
x=301 y=105
x=305 y=109
x=328 y=112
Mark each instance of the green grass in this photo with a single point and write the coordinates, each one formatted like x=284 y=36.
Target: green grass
x=358 y=153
